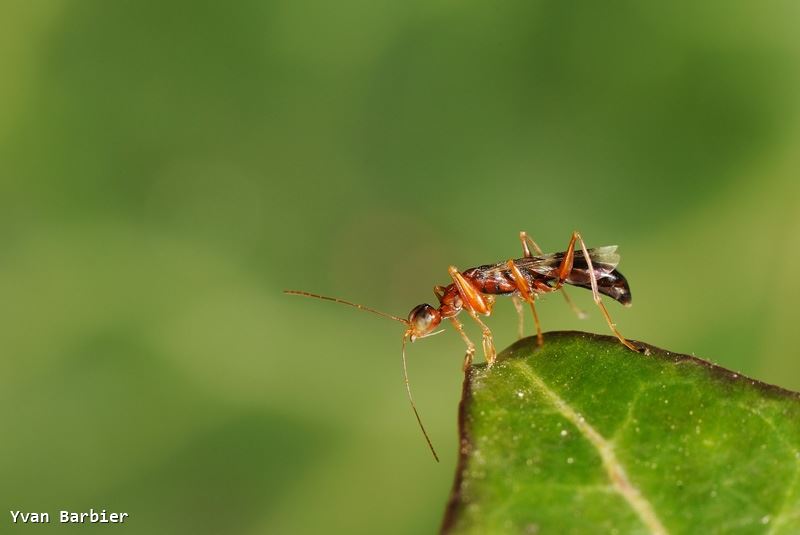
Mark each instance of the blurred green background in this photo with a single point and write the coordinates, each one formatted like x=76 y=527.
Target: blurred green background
x=167 y=168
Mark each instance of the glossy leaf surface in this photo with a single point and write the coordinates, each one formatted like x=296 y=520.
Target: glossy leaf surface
x=585 y=436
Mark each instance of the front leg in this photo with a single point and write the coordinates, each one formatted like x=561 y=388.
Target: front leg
x=476 y=303
x=489 y=351
x=471 y=296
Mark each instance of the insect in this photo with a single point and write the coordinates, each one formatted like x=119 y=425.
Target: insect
x=524 y=279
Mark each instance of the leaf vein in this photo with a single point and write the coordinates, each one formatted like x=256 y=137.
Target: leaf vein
x=614 y=468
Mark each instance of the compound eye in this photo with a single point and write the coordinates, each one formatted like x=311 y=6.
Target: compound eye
x=421 y=317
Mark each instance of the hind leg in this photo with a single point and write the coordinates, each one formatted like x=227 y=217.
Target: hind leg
x=525 y=239
x=596 y=294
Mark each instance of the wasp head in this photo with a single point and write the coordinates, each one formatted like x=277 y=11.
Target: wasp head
x=422 y=320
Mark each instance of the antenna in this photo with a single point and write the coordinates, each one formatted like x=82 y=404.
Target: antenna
x=342 y=301
x=405 y=337
x=411 y=399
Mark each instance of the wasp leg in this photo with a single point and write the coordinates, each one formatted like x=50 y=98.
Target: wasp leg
x=473 y=299
x=520 y=314
x=575 y=308
x=525 y=239
x=489 y=350
x=565 y=267
x=524 y=290
x=596 y=296
x=476 y=303
x=470 y=346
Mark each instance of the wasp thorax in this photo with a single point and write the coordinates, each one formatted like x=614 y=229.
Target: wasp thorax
x=423 y=319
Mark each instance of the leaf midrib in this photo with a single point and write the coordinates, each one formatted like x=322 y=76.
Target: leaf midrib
x=615 y=470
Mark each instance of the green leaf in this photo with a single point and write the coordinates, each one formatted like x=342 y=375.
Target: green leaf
x=585 y=436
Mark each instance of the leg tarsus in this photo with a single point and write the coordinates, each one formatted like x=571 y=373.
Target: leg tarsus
x=489 y=351
x=467 y=361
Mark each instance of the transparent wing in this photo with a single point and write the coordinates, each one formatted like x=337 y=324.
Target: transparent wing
x=604 y=259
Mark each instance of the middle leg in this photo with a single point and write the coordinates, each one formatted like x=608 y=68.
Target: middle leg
x=524 y=290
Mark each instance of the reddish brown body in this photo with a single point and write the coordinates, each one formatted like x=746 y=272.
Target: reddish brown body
x=474 y=291
x=490 y=280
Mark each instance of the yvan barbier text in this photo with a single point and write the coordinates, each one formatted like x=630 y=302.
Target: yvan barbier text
x=70 y=517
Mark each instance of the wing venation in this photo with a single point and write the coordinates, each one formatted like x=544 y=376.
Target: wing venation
x=604 y=259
